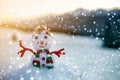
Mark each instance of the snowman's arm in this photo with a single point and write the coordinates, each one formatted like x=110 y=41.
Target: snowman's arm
x=24 y=49
x=58 y=53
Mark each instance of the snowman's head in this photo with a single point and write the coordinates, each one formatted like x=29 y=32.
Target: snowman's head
x=41 y=38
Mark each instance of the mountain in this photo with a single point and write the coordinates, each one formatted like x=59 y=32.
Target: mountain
x=79 y=21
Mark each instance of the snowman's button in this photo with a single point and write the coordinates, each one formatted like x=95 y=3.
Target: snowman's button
x=43 y=58
x=47 y=61
x=43 y=65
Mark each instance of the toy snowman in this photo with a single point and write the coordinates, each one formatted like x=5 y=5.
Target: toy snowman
x=42 y=41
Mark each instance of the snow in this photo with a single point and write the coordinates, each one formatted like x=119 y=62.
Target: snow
x=85 y=59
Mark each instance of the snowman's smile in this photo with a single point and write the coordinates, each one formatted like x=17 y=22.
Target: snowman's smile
x=43 y=46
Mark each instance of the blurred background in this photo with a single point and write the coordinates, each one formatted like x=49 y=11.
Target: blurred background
x=82 y=17
x=88 y=29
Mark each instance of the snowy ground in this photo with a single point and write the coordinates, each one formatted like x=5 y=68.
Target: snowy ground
x=85 y=59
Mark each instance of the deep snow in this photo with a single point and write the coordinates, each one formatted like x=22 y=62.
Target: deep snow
x=85 y=59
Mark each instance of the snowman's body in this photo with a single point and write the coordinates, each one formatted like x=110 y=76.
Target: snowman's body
x=43 y=60
x=41 y=42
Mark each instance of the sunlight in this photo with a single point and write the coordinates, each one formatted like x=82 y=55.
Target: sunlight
x=26 y=8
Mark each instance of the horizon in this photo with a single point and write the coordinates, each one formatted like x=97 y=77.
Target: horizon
x=12 y=19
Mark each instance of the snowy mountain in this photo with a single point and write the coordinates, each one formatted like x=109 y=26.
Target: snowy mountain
x=80 y=21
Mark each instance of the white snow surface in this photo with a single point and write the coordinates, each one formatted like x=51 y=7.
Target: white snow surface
x=85 y=59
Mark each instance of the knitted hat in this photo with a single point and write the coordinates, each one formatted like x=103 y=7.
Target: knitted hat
x=41 y=28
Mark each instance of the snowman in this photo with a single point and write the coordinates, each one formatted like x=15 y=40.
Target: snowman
x=41 y=41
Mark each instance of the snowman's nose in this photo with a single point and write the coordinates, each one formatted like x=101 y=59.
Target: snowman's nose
x=41 y=43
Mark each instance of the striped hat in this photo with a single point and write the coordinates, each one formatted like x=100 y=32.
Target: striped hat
x=42 y=28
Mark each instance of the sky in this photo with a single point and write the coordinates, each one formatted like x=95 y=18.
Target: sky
x=24 y=8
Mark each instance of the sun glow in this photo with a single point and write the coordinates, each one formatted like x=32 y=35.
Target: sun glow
x=26 y=8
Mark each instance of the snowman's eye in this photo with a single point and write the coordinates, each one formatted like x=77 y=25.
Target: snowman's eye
x=36 y=37
x=45 y=37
